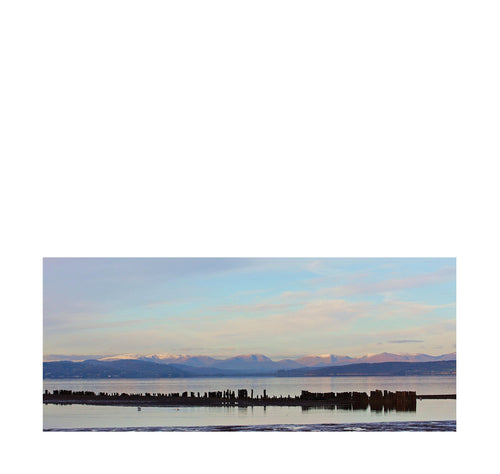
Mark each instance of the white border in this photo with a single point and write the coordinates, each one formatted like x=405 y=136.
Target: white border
x=263 y=128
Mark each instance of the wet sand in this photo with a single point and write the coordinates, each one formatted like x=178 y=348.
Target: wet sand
x=450 y=425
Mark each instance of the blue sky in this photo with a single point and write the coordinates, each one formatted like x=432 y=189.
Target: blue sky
x=283 y=307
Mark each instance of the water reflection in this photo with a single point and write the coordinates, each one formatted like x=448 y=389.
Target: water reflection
x=79 y=416
x=375 y=407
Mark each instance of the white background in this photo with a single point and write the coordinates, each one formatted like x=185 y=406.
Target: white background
x=249 y=128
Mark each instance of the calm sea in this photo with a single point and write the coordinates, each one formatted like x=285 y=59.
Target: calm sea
x=88 y=416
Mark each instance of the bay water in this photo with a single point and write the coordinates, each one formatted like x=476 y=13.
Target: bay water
x=116 y=417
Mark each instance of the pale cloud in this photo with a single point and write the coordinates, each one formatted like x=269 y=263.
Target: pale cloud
x=441 y=330
x=316 y=266
x=249 y=327
x=306 y=306
x=311 y=318
x=437 y=334
x=252 y=308
x=323 y=319
x=296 y=295
x=132 y=310
x=83 y=321
x=172 y=302
x=404 y=341
x=393 y=309
x=386 y=286
x=361 y=287
x=123 y=340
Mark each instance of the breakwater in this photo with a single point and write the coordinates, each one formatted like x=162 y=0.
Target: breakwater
x=376 y=400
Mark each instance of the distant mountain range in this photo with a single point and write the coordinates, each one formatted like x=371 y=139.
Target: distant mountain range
x=250 y=362
x=442 y=367
x=166 y=365
x=253 y=361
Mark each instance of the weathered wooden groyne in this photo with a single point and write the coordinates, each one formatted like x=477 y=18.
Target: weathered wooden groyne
x=377 y=399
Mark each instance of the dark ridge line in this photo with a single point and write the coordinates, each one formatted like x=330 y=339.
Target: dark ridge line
x=141 y=369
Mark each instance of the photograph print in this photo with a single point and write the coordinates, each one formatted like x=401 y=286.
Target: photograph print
x=249 y=344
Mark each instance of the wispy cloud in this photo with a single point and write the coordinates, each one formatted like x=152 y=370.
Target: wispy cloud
x=393 y=284
x=83 y=322
x=395 y=309
x=405 y=341
x=205 y=305
x=360 y=286
x=172 y=302
x=438 y=330
x=312 y=317
x=252 y=308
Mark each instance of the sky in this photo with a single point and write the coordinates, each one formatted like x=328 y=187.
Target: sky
x=222 y=307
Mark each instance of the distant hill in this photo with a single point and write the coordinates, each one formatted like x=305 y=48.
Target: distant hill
x=89 y=369
x=382 y=368
x=201 y=365
x=130 y=368
x=250 y=363
x=388 y=357
x=330 y=359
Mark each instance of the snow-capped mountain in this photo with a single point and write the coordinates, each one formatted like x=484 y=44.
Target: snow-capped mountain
x=122 y=357
x=251 y=362
x=388 y=357
x=170 y=365
x=324 y=360
x=194 y=361
x=246 y=362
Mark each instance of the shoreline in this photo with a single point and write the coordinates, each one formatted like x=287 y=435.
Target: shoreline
x=438 y=425
x=242 y=375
